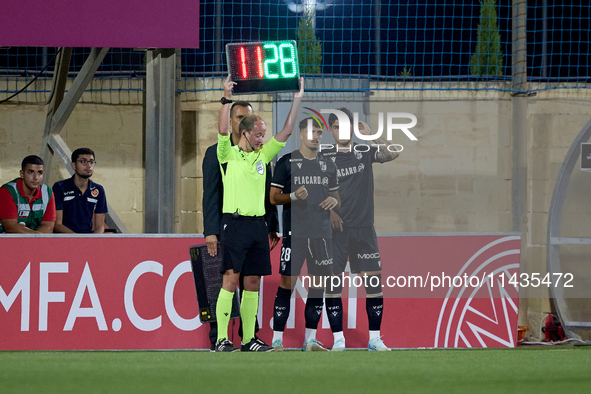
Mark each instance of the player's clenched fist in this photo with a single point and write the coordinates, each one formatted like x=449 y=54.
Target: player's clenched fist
x=301 y=193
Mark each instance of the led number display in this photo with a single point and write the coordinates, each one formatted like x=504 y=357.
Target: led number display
x=270 y=66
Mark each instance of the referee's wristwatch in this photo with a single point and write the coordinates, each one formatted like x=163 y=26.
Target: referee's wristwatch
x=225 y=101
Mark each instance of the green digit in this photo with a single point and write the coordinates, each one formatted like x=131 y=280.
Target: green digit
x=269 y=74
x=290 y=59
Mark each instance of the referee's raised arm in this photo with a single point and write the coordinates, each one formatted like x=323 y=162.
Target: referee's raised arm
x=284 y=134
x=224 y=121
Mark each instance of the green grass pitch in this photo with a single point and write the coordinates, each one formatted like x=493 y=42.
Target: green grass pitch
x=562 y=369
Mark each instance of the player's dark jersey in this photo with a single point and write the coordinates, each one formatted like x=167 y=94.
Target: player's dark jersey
x=305 y=218
x=355 y=174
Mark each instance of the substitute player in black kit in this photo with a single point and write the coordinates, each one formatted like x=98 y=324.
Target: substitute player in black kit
x=354 y=236
x=306 y=229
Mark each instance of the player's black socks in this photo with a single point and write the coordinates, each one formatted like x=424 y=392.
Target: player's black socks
x=313 y=310
x=281 y=309
x=375 y=309
x=334 y=311
x=374 y=303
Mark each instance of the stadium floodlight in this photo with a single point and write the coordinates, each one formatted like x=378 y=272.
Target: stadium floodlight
x=308 y=5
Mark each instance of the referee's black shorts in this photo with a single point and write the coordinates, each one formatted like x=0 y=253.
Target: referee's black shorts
x=245 y=245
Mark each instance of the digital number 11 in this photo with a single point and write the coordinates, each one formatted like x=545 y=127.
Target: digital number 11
x=243 y=63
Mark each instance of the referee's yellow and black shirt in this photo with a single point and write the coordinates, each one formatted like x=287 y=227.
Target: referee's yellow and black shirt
x=244 y=177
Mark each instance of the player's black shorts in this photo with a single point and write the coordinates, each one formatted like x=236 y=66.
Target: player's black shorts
x=245 y=245
x=317 y=252
x=360 y=246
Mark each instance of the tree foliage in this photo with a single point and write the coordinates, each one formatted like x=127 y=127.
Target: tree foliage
x=406 y=72
x=488 y=57
x=309 y=47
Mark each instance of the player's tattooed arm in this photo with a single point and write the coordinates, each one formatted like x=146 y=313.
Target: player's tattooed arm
x=383 y=154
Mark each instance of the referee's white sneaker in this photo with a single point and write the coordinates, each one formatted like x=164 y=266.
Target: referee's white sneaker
x=377 y=345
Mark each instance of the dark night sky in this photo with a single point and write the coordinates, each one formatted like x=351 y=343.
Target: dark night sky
x=434 y=37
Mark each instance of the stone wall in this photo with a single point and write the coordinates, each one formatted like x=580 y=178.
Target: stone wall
x=113 y=132
x=456 y=178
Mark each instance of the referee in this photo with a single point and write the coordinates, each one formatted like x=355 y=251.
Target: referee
x=244 y=239
x=213 y=192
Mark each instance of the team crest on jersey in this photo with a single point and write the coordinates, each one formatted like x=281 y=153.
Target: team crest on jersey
x=94 y=193
x=260 y=167
x=322 y=166
x=358 y=155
